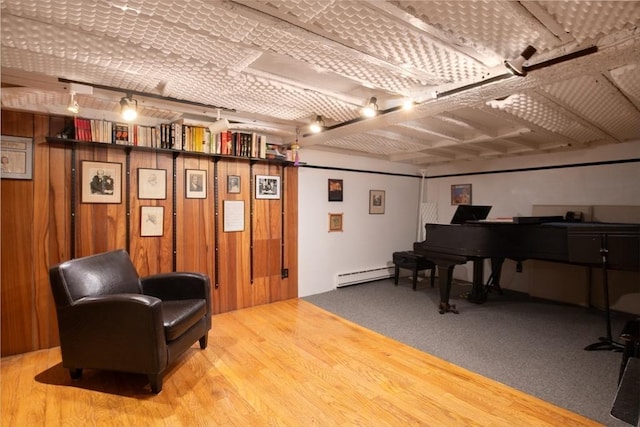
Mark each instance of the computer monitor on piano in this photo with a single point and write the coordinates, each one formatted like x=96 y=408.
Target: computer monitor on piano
x=466 y=213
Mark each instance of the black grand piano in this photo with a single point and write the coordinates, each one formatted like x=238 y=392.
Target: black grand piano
x=607 y=245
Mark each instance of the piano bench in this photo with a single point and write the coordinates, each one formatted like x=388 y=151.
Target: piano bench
x=414 y=262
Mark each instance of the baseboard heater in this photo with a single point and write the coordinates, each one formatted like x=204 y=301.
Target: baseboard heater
x=355 y=277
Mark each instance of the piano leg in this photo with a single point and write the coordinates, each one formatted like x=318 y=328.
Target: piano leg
x=479 y=290
x=496 y=273
x=478 y=293
x=445 y=276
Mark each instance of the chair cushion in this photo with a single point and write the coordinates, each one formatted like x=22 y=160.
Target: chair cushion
x=180 y=315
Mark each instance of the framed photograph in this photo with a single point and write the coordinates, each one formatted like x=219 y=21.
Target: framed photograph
x=376 y=201
x=461 y=194
x=335 y=190
x=335 y=222
x=151 y=221
x=233 y=215
x=233 y=184
x=267 y=187
x=16 y=154
x=152 y=183
x=196 y=183
x=101 y=182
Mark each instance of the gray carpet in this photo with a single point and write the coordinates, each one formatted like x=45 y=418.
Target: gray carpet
x=532 y=345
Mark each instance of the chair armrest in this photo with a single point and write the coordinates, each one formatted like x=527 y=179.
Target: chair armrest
x=129 y=314
x=118 y=331
x=177 y=286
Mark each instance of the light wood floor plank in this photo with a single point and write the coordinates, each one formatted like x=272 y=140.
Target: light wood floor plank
x=289 y=363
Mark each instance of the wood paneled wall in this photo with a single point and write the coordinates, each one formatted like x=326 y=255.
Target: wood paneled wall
x=38 y=224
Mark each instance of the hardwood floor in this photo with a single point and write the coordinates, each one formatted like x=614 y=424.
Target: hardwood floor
x=288 y=363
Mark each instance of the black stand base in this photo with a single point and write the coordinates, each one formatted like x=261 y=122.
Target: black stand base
x=605 y=344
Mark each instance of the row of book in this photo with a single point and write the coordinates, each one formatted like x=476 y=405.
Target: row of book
x=179 y=136
x=106 y=132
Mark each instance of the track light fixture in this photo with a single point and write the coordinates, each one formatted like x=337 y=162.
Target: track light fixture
x=371 y=108
x=73 y=104
x=408 y=104
x=516 y=66
x=317 y=126
x=128 y=108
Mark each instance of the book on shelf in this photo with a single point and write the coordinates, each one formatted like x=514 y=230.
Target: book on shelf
x=121 y=133
x=178 y=136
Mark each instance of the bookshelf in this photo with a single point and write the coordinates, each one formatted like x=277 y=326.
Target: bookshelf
x=176 y=137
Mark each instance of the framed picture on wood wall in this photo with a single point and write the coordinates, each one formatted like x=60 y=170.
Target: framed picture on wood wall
x=17 y=157
x=196 y=183
x=376 y=201
x=267 y=187
x=152 y=184
x=151 y=221
x=233 y=184
x=101 y=182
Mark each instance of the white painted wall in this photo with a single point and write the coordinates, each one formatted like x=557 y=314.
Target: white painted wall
x=367 y=241
x=515 y=193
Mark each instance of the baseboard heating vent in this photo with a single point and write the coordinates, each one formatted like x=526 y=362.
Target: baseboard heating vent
x=355 y=277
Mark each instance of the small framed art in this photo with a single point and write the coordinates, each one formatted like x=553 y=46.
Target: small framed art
x=101 y=182
x=267 y=187
x=335 y=222
x=16 y=155
x=196 y=183
x=233 y=215
x=233 y=184
x=152 y=183
x=461 y=194
x=335 y=190
x=151 y=221
x=376 y=201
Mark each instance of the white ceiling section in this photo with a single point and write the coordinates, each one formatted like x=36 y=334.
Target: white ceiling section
x=273 y=66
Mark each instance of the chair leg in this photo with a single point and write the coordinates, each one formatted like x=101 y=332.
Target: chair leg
x=75 y=373
x=155 y=381
x=396 y=275
x=203 y=341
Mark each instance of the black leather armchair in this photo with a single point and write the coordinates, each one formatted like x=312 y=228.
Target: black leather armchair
x=110 y=318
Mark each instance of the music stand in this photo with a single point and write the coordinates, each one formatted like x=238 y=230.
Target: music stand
x=609 y=246
x=466 y=213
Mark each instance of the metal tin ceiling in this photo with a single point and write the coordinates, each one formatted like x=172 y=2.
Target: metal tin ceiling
x=273 y=66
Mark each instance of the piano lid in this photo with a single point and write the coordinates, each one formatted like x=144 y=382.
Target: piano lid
x=466 y=213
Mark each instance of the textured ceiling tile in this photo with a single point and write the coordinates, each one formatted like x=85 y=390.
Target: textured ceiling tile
x=473 y=24
x=331 y=57
x=374 y=144
x=598 y=102
x=303 y=10
x=628 y=80
x=545 y=116
x=376 y=34
x=588 y=20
